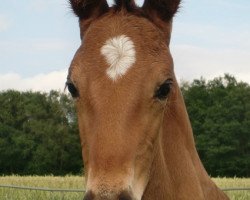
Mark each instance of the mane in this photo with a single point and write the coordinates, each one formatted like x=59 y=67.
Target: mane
x=128 y=5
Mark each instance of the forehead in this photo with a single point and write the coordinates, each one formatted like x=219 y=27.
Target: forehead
x=120 y=43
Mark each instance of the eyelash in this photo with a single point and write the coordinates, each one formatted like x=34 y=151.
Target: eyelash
x=72 y=89
x=163 y=91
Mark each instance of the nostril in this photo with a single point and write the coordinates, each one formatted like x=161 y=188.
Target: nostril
x=89 y=196
x=125 y=196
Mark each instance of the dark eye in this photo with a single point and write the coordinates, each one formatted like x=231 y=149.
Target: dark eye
x=164 y=89
x=72 y=89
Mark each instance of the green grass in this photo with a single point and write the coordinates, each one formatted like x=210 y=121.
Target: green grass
x=235 y=183
x=75 y=182
x=67 y=182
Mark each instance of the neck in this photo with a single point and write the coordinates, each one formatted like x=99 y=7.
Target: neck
x=177 y=172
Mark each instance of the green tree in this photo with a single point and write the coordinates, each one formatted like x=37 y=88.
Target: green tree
x=39 y=134
x=219 y=112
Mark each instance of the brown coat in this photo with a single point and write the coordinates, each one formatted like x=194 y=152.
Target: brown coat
x=137 y=141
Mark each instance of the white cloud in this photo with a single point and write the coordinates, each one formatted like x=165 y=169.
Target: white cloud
x=4 y=23
x=193 y=62
x=42 y=82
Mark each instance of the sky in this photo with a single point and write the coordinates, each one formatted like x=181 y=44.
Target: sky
x=38 y=39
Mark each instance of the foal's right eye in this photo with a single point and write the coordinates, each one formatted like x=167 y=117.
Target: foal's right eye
x=72 y=89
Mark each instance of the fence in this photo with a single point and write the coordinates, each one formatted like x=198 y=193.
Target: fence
x=62 y=194
x=40 y=189
x=14 y=192
x=82 y=191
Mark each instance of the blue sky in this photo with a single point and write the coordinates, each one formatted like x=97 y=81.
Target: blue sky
x=38 y=39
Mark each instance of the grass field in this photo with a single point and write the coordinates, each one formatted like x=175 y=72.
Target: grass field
x=75 y=182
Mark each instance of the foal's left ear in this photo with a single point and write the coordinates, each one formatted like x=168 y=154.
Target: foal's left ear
x=88 y=10
x=161 y=12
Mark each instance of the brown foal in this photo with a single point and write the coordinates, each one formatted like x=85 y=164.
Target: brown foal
x=136 y=137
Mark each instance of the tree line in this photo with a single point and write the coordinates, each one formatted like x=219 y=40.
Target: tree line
x=38 y=134
x=219 y=111
x=39 y=131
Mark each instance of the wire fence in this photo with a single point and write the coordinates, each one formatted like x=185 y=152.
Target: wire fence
x=14 y=192
x=235 y=189
x=41 y=189
x=83 y=191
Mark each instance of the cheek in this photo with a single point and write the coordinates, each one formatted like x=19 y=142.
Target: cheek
x=145 y=127
x=84 y=123
x=148 y=137
x=152 y=124
x=85 y=149
x=145 y=153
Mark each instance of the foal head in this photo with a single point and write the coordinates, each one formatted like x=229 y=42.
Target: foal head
x=123 y=81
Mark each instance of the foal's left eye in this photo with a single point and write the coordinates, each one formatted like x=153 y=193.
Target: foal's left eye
x=72 y=89
x=164 y=89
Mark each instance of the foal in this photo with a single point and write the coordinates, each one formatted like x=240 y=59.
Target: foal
x=137 y=142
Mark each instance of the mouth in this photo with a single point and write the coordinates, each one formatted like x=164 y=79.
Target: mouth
x=104 y=195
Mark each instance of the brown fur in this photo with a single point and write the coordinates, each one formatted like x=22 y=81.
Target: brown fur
x=126 y=133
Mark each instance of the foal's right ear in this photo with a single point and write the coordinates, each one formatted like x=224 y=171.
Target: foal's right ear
x=88 y=10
